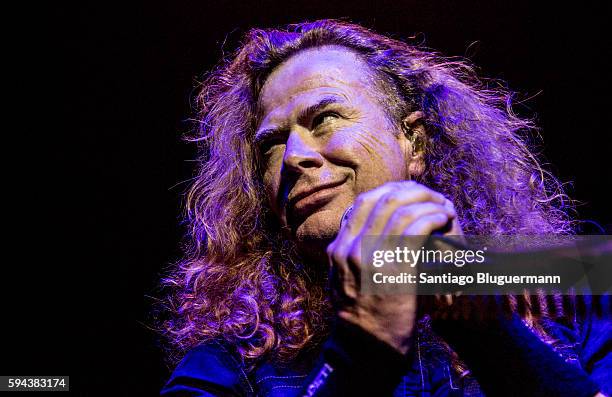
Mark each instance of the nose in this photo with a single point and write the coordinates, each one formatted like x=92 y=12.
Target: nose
x=301 y=152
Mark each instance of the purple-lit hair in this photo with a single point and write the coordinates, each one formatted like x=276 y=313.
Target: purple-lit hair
x=240 y=281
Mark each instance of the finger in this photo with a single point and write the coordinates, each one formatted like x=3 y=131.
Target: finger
x=406 y=215
x=393 y=234
x=343 y=281
x=388 y=204
x=426 y=224
x=376 y=206
x=353 y=260
x=362 y=207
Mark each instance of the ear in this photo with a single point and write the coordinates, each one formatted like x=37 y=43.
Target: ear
x=413 y=138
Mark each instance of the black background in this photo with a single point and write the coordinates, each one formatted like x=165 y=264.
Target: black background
x=96 y=165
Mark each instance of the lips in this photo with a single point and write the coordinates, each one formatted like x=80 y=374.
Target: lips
x=305 y=201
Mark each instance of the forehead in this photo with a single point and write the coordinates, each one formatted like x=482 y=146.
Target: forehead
x=315 y=69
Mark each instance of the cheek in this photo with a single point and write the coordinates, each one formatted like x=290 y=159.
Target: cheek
x=271 y=181
x=376 y=156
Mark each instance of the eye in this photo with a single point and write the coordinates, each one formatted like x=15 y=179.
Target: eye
x=268 y=143
x=324 y=117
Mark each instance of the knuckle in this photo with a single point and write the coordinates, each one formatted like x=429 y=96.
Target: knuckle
x=437 y=208
x=427 y=223
x=424 y=189
x=434 y=196
x=440 y=217
x=391 y=198
x=433 y=219
x=403 y=214
x=390 y=187
x=363 y=198
x=336 y=256
x=418 y=228
x=420 y=192
x=393 y=185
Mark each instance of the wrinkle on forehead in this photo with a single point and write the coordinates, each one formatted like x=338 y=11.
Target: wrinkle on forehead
x=297 y=102
x=327 y=66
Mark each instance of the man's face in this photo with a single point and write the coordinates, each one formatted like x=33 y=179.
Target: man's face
x=324 y=139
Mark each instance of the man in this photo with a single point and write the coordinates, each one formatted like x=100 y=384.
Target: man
x=303 y=124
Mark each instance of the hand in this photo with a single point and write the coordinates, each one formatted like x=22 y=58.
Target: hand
x=393 y=209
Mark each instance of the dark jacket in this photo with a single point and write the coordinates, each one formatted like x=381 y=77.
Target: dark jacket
x=505 y=357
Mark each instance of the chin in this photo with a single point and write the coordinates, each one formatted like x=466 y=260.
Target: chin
x=322 y=227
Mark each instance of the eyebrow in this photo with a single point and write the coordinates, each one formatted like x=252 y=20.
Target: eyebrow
x=308 y=112
x=304 y=114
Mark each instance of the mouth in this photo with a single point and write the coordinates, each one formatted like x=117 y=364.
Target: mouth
x=303 y=203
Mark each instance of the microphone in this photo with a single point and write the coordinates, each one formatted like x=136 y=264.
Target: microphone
x=536 y=303
x=345 y=216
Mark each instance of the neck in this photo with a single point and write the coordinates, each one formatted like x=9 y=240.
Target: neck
x=314 y=251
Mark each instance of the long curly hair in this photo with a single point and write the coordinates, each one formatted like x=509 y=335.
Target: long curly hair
x=240 y=281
